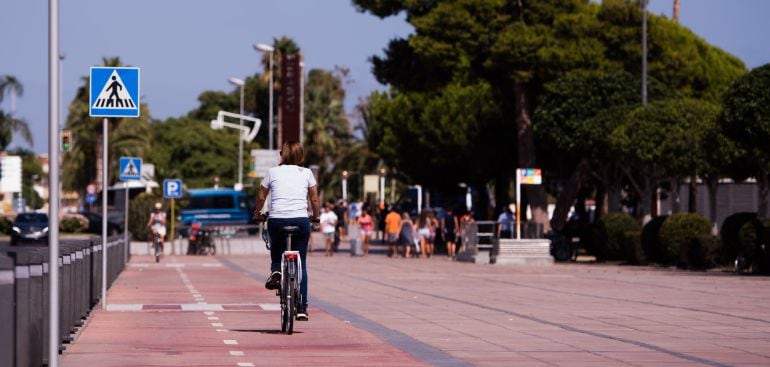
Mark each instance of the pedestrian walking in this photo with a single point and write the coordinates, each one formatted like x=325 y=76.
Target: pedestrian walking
x=342 y=219
x=406 y=234
x=449 y=226
x=425 y=232
x=328 y=228
x=465 y=222
x=505 y=224
x=392 y=229
x=366 y=222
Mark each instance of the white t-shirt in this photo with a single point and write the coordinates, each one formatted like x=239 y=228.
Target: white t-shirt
x=328 y=221
x=288 y=187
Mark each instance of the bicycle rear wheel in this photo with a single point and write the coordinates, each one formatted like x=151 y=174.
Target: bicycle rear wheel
x=157 y=250
x=291 y=298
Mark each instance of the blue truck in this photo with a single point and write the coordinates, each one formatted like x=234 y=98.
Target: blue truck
x=212 y=207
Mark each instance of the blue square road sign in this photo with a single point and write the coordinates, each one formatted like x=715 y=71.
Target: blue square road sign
x=130 y=168
x=172 y=188
x=114 y=92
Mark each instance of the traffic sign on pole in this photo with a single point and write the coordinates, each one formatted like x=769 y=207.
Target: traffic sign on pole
x=114 y=92
x=172 y=188
x=130 y=168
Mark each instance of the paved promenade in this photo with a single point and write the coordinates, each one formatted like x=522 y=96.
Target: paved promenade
x=214 y=311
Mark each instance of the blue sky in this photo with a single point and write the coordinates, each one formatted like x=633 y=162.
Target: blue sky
x=187 y=46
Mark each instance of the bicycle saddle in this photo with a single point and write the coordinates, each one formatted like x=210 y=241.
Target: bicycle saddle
x=291 y=229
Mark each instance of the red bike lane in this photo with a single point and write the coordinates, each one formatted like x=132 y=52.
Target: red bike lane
x=196 y=311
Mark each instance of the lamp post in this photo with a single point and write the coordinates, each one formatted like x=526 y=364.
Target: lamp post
x=382 y=187
x=241 y=84
x=261 y=47
x=345 y=186
x=32 y=180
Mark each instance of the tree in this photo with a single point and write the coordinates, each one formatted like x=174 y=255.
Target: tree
x=9 y=123
x=518 y=47
x=746 y=120
x=327 y=130
x=575 y=116
x=664 y=140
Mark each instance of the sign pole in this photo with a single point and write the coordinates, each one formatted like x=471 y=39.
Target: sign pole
x=125 y=227
x=53 y=183
x=105 y=131
x=172 y=233
x=518 y=203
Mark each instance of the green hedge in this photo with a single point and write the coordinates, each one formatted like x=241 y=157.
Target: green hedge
x=653 y=250
x=606 y=239
x=72 y=225
x=139 y=209
x=753 y=241
x=687 y=241
x=5 y=224
x=729 y=233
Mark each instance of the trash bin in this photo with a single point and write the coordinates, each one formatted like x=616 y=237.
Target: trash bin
x=7 y=297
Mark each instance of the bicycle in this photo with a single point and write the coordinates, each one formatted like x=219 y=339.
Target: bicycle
x=157 y=244
x=291 y=277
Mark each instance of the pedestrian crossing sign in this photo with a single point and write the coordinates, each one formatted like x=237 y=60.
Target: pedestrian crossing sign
x=130 y=168
x=114 y=92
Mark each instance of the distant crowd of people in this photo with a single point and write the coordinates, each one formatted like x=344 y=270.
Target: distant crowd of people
x=404 y=235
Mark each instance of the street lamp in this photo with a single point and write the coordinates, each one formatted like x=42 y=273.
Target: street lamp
x=241 y=84
x=345 y=186
x=261 y=47
x=32 y=180
x=382 y=187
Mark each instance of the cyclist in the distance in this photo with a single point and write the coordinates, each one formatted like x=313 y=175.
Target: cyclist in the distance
x=157 y=223
x=289 y=185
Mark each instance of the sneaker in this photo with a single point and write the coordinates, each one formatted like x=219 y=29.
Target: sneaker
x=302 y=313
x=274 y=281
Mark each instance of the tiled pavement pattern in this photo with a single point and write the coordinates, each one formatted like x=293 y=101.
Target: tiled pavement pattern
x=387 y=311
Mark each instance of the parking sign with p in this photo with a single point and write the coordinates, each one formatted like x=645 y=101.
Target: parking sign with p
x=172 y=189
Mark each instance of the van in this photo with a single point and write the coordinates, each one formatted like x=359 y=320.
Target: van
x=217 y=207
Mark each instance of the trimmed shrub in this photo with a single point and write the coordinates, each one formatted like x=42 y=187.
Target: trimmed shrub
x=653 y=250
x=632 y=247
x=73 y=224
x=606 y=238
x=729 y=233
x=5 y=224
x=753 y=241
x=687 y=241
x=139 y=210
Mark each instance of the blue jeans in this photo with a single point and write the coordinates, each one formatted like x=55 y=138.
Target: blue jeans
x=298 y=243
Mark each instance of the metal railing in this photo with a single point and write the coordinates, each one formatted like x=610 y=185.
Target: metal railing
x=25 y=296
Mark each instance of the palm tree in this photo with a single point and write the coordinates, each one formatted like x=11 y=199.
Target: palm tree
x=9 y=124
x=676 y=11
x=10 y=84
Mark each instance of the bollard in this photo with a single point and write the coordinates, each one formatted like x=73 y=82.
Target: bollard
x=94 y=297
x=66 y=302
x=7 y=296
x=21 y=275
x=77 y=310
x=46 y=302
x=85 y=300
x=36 y=312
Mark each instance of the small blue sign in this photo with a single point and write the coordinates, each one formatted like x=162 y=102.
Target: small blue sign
x=172 y=189
x=114 y=92
x=90 y=198
x=130 y=168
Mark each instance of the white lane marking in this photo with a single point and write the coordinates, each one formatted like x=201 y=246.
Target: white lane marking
x=230 y=342
x=236 y=353
x=201 y=303
x=208 y=313
x=245 y=364
x=270 y=306
x=202 y=307
x=134 y=307
x=222 y=330
x=211 y=265
x=217 y=324
x=213 y=318
x=175 y=265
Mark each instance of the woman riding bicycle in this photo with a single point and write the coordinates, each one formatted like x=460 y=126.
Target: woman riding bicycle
x=289 y=185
